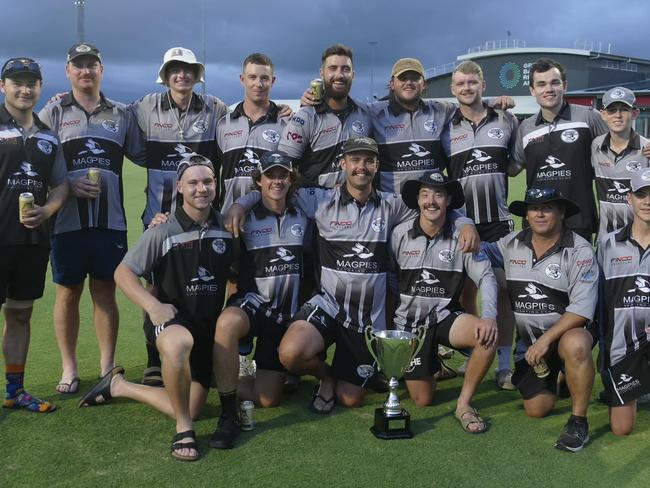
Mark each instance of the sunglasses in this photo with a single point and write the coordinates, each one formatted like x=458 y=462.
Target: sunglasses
x=21 y=65
x=542 y=193
x=274 y=159
x=196 y=160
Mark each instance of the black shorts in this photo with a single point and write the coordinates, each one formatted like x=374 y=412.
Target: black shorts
x=352 y=361
x=201 y=354
x=269 y=334
x=525 y=379
x=22 y=272
x=493 y=231
x=628 y=379
x=426 y=363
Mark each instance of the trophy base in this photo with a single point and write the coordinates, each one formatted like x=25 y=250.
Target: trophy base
x=400 y=428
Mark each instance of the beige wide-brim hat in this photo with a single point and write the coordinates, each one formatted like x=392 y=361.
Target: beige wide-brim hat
x=181 y=55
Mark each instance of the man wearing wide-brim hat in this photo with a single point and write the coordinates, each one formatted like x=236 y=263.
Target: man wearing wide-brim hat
x=552 y=279
x=431 y=272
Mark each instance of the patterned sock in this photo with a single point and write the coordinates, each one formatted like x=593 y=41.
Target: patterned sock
x=229 y=403
x=15 y=373
x=16 y=396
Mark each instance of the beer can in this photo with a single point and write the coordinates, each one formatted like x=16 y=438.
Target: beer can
x=541 y=369
x=94 y=175
x=25 y=202
x=246 y=409
x=317 y=90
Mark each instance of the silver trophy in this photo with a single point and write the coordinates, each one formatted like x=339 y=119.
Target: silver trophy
x=393 y=351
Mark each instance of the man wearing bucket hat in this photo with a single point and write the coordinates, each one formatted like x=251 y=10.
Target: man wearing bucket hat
x=188 y=256
x=616 y=156
x=270 y=266
x=552 y=278
x=431 y=272
x=625 y=309
x=354 y=223
x=89 y=236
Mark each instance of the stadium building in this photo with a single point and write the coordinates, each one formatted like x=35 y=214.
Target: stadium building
x=590 y=73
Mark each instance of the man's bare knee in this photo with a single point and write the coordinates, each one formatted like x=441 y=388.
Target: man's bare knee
x=539 y=406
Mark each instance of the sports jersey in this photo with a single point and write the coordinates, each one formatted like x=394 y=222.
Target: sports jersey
x=410 y=143
x=625 y=295
x=558 y=154
x=28 y=163
x=314 y=137
x=189 y=264
x=160 y=121
x=97 y=140
x=541 y=289
x=431 y=273
x=613 y=172
x=241 y=143
x=479 y=158
x=271 y=260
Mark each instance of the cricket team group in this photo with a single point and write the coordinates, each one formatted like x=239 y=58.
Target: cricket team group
x=285 y=233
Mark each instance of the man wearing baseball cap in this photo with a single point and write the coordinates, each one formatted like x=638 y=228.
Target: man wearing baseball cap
x=625 y=309
x=616 y=156
x=431 y=272
x=89 y=236
x=31 y=162
x=270 y=267
x=187 y=256
x=552 y=279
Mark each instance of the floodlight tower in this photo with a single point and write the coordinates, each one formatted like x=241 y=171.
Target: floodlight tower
x=81 y=17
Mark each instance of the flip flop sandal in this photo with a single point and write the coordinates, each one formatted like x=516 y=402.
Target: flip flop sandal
x=328 y=405
x=68 y=388
x=177 y=446
x=468 y=416
x=101 y=392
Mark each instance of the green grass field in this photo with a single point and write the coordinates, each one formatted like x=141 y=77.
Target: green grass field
x=127 y=444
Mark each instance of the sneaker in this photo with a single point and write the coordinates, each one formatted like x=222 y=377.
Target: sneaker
x=247 y=367
x=228 y=429
x=575 y=435
x=444 y=352
x=503 y=379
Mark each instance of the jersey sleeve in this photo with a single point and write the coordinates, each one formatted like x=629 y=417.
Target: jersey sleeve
x=459 y=218
x=59 y=170
x=48 y=117
x=479 y=270
x=295 y=136
x=249 y=200
x=583 y=283
x=135 y=147
x=147 y=252
x=596 y=123
x=493 y=252
x=517 y=156
x=307 y=199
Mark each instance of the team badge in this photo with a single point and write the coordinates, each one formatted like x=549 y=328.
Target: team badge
x=200 y=127
x=633 y=166
x=553 y=271
x=271 y=136
x=297 y=230
x=436 y=177
x=495 y=133
x=219 y=246
x=617 y=94
x=430 y=125
x=446 y=255
x=365 y=371
x=358 y=127
x=569 y=135
x=378 y=224
x=110 y=125
x=44 y=146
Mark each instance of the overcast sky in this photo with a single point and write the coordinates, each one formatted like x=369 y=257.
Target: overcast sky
x=134 y=34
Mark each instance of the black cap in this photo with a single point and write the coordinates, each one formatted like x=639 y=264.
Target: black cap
x=83 y=49
x=356 y=144
x=15 y=66
x=433 y=178
x=193 y=159
x=538 y=196
x=273 y=159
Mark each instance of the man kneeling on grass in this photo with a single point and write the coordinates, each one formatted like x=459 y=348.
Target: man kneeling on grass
x=432 y=270
x=188 y=257
x=552 y=279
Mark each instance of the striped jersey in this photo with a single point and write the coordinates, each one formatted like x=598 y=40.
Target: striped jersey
x=170 y=134
x=96 y=140
x=479 y=158
x=613 y=172
x=557 y=154
x=241 y=143
x=410 y=142
x=625 y=295
x=314 y=136
x=431 y=273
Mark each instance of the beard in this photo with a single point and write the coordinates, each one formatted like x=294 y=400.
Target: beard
x=336 y=95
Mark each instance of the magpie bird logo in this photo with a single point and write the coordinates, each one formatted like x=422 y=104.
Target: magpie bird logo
x=533 y=292
x=360 y=251
x=92 y=147
x=202 y=275
x=283 y=255
x=640 y=284
x=427 y=277
x=553 y=163
x=181 y=151
x=480 y=156
x=26 y=169
x=416 y=150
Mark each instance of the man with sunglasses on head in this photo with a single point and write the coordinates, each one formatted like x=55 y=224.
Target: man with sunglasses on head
x=616 y=156
x=31 y=162
x=552 y=279
x=90 y=230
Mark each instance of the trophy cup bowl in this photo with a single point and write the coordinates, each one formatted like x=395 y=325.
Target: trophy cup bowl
x=393 y=351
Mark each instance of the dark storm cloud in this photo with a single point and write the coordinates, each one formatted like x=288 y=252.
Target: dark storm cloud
x=133 y=35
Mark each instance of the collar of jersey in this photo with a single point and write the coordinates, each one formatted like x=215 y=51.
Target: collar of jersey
x=397 y=108
x=196 y=104
x=322 y=108
x=261 y=211
x=416 y=231
x=347 y=198
x=459 y=117
x=565 y=240
x=633 y=144
x=271 y=114
x=68 y=99
x=187 y=223
x=6 y=118
x=565 y=113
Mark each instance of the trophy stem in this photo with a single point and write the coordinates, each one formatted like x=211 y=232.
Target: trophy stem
x=392 y=406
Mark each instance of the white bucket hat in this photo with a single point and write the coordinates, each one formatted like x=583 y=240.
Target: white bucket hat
x=184 y=56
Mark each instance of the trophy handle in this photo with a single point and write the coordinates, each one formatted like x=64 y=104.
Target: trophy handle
x=370 y=338
x=421 y=333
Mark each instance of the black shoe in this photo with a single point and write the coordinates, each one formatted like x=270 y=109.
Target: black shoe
x=575 y=435
x=228 y=429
